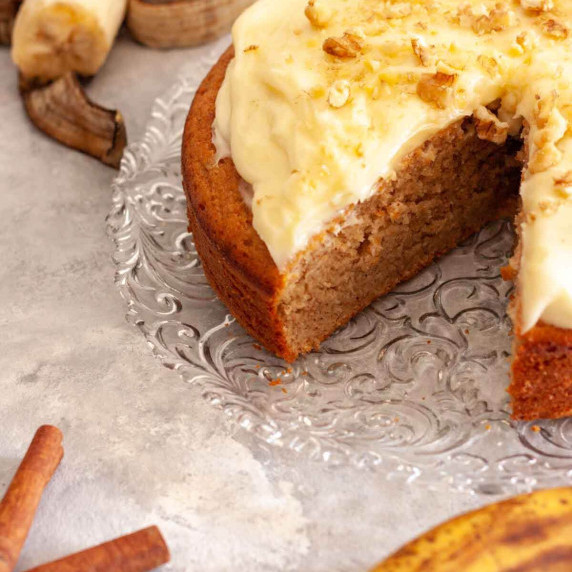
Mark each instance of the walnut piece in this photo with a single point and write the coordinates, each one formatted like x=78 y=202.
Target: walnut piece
x=436 y=89
x=549 y=208
x=318 y=13
x=544 y=158
x=347 y=46
x=537 y=5
x=339 y=93
x=496 y=20
x=563 y=184
x=393 y=10
x=544 y=108
x=489 y=64
x=551 y=127
x=490 y=127
x=554 y=29
x=422 y=52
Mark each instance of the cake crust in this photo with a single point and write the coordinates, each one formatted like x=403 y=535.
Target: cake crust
x=235 y=259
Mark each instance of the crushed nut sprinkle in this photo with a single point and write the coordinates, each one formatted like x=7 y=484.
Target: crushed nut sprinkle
x=392 y=10
x=489 y=64
x=563 y=185
x=347 y=46
x=544 y=158
x=544 y=108
x=498 y=19
x=318 y=13
x=339 y=93
x=551 y=127
x=436 y=89
x=537 y=5
x=554 y=29
x=421 y=50
x=524 y=41
x=251 y=48
x=489 y=127
x=564 y=180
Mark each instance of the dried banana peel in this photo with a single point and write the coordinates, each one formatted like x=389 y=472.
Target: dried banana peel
x=180 y=23
x=530 y=533
x=8 y=11
x=62 y=111
x=53 y=37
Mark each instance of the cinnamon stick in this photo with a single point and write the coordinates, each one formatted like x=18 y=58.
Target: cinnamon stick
x=138 y=552
x=21 y=500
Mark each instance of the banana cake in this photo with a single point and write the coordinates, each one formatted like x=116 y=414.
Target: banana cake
x=340 y=146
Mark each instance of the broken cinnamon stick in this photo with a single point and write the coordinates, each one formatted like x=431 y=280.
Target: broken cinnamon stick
x=22 y=498
x=138 y=552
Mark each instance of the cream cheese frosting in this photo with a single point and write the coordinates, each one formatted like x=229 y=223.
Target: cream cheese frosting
x=324 y=97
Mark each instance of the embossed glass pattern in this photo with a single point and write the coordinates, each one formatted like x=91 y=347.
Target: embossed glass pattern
x=414 y=387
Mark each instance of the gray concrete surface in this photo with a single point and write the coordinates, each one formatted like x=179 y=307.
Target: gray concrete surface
x=142 y=447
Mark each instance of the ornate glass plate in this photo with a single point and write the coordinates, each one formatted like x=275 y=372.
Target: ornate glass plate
x=414 y=387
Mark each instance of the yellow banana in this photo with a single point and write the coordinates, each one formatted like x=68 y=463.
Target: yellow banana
x=53 y=37
x=529 y=533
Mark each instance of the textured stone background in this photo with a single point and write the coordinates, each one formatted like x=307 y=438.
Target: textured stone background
x=142 y=447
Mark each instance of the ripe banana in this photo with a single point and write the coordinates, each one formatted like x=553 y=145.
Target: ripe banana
x=53 y=37
x=530 y=533
x=179 y=23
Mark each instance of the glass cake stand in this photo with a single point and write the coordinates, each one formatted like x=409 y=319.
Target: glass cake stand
x=413 y=388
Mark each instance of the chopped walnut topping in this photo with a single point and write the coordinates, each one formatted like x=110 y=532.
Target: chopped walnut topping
x=445 y=68
x=498 y=19
x=339 y=93
x=489 y=64
x=563 y=184
x=555 y=29
x=357 y=34
x=489 y=127
x=318 y=13
x=421 y=50
x=347 y=46
x=525 y=41
x=554 y=129
x=551 y=127
x=436 y=89
x=544 y=108
x=537 y=5
x=392 y=10
x=544 y=158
